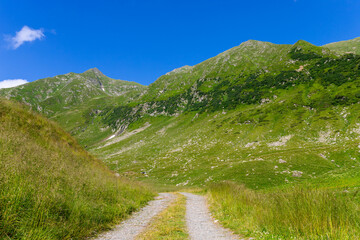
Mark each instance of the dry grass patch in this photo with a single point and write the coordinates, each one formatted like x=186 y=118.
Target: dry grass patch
x=169 y=224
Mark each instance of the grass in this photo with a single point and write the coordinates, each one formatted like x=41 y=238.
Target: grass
x=345 y=46
x=263 y=115
x=72 y=99
x=50 y=188
x=197 y=149
x=291 y=213
x=270 y=148
x=169 y=224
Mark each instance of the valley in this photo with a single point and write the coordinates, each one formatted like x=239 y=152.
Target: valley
x=258 y=125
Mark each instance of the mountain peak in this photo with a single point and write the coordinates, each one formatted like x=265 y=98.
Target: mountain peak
x=304 y=44
x=94 y=70
x=251 y=43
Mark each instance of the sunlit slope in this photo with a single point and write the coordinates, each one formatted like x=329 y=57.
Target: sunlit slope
x=295 y=122
x=233 y=65
x=92 y=106
x=262 y=114
x=281 y=141
x=72 y=99
x=349 y=46
x=60 y=93
x=244 y=75
x=50 y=188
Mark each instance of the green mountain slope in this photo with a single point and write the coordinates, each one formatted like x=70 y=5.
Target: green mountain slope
x=250 y=57
x=247 y=74
x=262 y=115
x=57 y=94
x=291 y=119
x=72 y=98
x=349 y=46
x=278 y=143
x=234 y=116
x=50 y=188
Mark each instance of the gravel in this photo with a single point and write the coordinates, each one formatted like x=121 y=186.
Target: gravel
x=133 y=226
x=199 y=222
x=198 y=219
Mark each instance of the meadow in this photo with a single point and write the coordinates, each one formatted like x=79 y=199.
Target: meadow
x=50 y=188
x=297 y=212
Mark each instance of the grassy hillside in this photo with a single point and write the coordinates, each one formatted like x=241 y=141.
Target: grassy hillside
x=244 y=75
x=251 y=57
x=93 y=107
x=72 y=99
x=263 y=115
x=50 y=188
x=277 y=144
x=284 y=113
x=296 y=123
x=349 y=46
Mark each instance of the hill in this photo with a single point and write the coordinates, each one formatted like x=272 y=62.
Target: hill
x=50 y=187
x=280 y=122
x=343 y=47
x=71 y=99
x=261 y=114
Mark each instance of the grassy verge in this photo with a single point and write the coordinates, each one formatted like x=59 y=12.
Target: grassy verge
x=50 y=188
x=169 y=224
x=292 y=213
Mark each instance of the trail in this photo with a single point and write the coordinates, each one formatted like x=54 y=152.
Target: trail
x=199 y=222
x=133 y=226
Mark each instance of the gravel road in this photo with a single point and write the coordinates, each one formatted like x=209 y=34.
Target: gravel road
x=199 y=222
x=133 y=226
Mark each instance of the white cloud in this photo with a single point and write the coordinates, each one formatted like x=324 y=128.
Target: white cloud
x=26 y=34
x=12 y=83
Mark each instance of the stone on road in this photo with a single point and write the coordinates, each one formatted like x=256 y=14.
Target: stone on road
x=199 y=222
x=133 y=226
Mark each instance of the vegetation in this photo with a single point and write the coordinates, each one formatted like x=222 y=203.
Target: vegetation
x=349 y=46
x=74 y=99
x=50 y=188
x=169 y=224
x=265 y=146
x=290 y=213
x=267 y=116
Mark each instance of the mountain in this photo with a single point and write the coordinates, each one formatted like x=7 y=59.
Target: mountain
x=242 y=75
x=261 y=114
x=51 y=188
x=350 y=46
x=276 y=126
x=250 y=57
x=72 y=98
x=51 y=95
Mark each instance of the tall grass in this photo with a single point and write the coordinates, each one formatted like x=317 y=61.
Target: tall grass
x=50 y=188
x=292 y=213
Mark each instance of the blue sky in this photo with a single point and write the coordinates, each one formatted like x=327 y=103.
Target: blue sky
x=142 y=40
